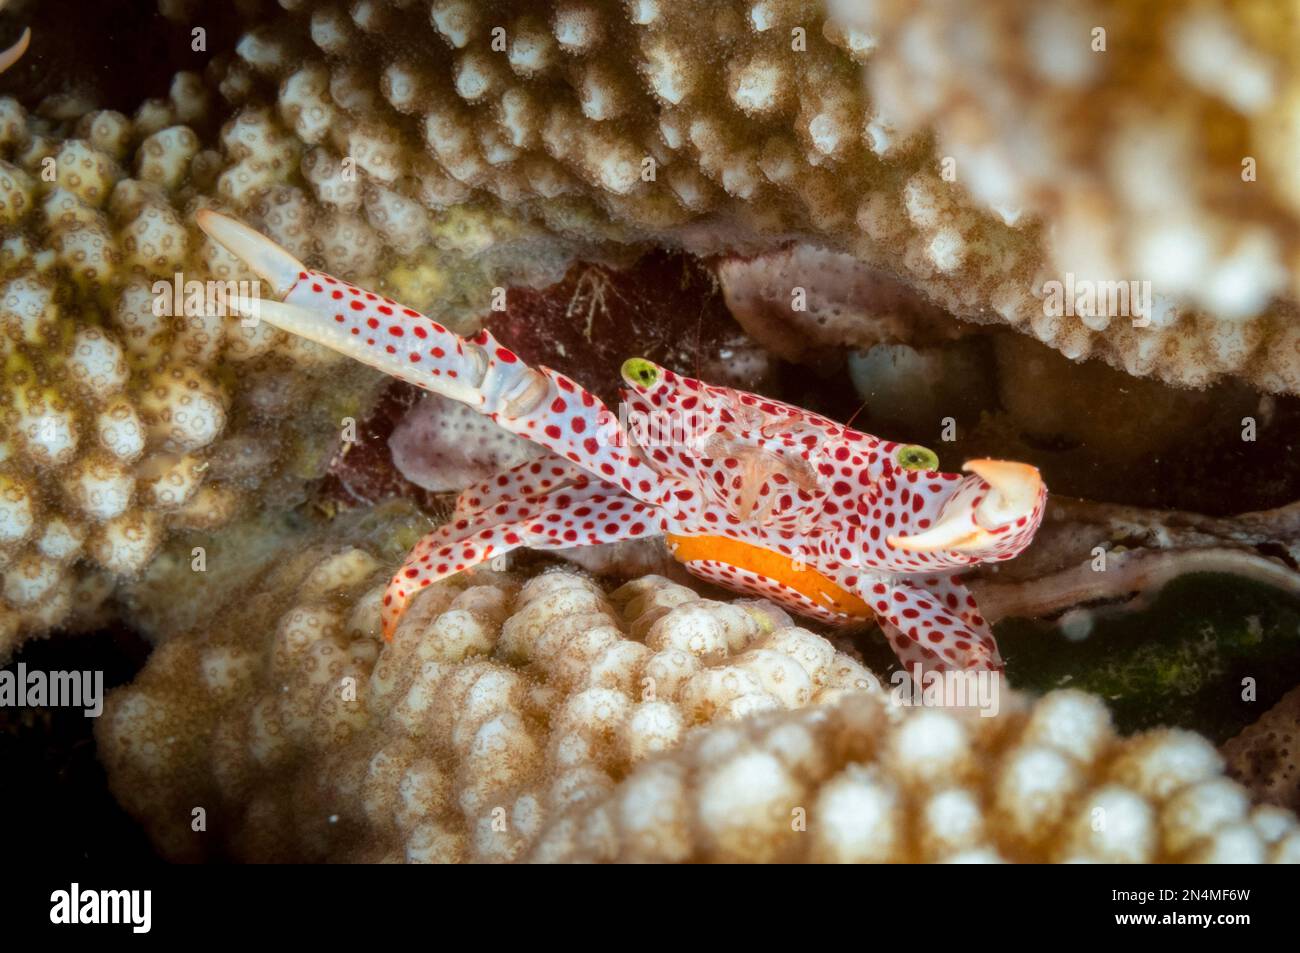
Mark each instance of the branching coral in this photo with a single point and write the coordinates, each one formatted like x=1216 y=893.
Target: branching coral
x=547 y=720
x=732 y=133
x=303 y=735
x=859 y=781
x=129 y=403
x=430 y=147
x=1149 y=141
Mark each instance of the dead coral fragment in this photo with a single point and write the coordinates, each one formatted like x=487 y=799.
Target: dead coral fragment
x=1266 y=756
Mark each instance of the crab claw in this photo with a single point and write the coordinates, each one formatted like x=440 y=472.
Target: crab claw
x=12 y=55
x=1005 y=493
x=1015 y=488
x=273 y=264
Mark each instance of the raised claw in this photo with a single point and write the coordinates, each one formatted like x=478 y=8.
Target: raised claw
x=269 y=261
x=1013 y=492
x=12 y=55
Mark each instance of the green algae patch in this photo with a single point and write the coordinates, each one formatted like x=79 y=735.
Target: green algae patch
x=1189 y=659
x=1181 y=661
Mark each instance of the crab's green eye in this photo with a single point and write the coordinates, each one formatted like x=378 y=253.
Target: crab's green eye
x=913 y=457
x=637 y=370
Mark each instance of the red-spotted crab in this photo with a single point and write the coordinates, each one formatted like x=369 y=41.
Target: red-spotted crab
x=755 y=495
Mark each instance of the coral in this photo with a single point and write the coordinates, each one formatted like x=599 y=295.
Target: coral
x=302 y=734
x=1264 y=756
x=1144 y=143
x=128 y=410
x=735 y=131
x=540 y=718
x=859 y=781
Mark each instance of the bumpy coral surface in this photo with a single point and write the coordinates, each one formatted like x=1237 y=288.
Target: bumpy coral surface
x=302 y=734
x=969 y=170
x=1149 y=142
x=549 y=720
x=126 y=409
x=1266 y=756
x=863 y=782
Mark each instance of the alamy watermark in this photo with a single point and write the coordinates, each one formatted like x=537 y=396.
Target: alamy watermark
x=75 y=905
x=22 y=688
x=918 y=688
x=659 y=428
x=1086 y=298
x=212 y=299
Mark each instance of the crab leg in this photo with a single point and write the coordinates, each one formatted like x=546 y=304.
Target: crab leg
x=537 y=403
x=935 y=624
x=527 y=479
x=586 y=512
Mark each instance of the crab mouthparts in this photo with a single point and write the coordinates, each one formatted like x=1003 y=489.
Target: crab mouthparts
x=1014 y=490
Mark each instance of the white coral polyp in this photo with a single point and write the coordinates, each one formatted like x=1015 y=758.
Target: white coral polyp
x=509 y=722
